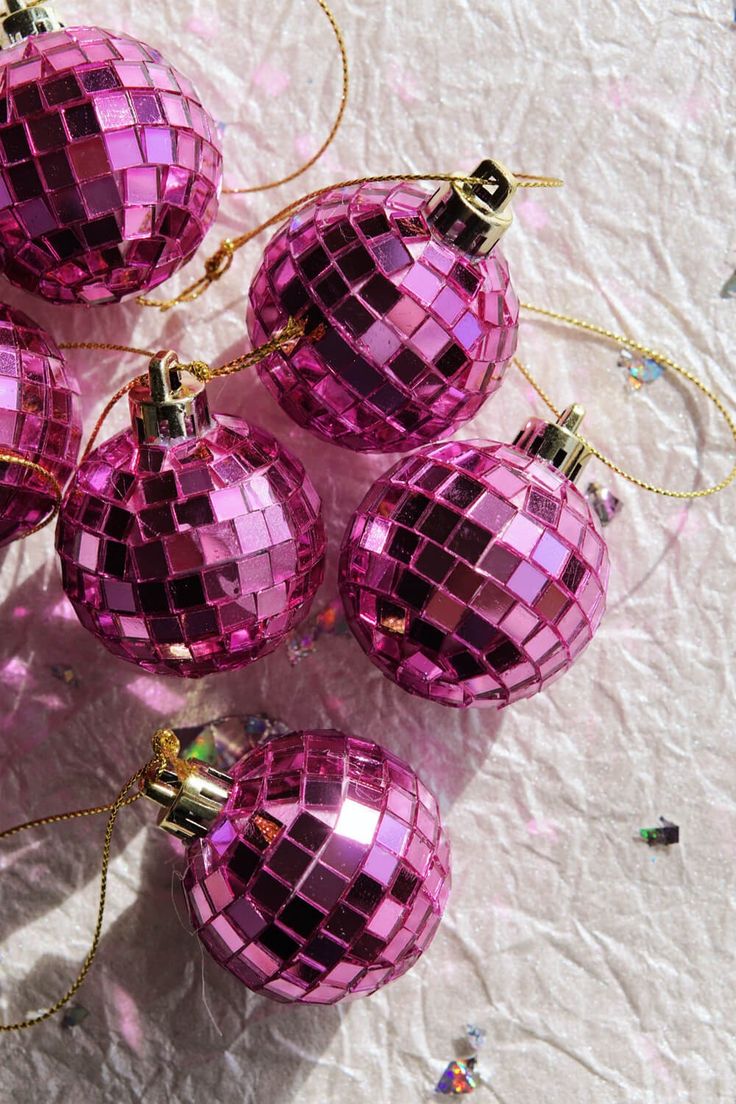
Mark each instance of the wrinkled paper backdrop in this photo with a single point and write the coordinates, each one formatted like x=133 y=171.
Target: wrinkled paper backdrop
x=602 y=970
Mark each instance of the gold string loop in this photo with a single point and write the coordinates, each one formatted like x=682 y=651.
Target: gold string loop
x=344 y=94
x=7 y=457
x=291 y=332
x=652 y=354
x=214 y=264
x=111 y=402
x=165 y=746
x=199 y=368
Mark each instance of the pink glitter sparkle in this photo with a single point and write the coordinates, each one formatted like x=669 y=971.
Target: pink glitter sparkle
x=327 y=872
x=473 y=573
x=110 y=168
x=407 y=336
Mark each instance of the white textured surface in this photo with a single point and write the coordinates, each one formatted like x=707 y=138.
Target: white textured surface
x=603 y=971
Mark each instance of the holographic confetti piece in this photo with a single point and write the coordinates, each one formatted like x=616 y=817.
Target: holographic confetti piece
x=640 y=370
x=665 y=835
x=459 y=1077
x=65 y=674
x=476 y=1036
x=728 y=291
x=74 y=1015
x=603 y=502
x=330 y=621
x=223 y=740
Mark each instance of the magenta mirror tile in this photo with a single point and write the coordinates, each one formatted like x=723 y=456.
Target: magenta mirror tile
x=170 y=558
x=40 y=421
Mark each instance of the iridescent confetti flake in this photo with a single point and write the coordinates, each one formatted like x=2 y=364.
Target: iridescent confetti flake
x=728 y=291
x=459 y=1077
x=223 y=740
x=476 y=1036
x=65 y=674
x=603 y=502
x=665 y=834
x=74 y=1015
x=640 y=370
x=330 y=621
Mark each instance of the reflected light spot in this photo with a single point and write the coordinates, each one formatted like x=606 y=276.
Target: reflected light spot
x=154 y=694
x=356 y=822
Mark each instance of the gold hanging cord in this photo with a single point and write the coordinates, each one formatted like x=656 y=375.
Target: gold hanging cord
x=652 y=354
x=166 y=749
x=220 y=262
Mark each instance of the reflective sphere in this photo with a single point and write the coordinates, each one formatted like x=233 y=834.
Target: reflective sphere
x=327 y=872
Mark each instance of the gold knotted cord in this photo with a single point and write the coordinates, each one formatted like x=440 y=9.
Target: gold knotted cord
x=344 y=94
x=221 y=260
x=165 y=753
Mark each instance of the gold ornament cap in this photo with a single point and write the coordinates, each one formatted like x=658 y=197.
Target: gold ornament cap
x=557 y=442
x=20 y=20
x=171 y=407
x=191 y=801
x=474 y=216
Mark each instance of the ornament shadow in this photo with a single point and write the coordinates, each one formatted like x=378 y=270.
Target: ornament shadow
x=694 y=415
x=151 y=969
x=64 y=744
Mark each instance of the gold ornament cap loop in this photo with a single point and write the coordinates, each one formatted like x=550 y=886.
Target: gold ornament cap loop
x=191 y=801
x=557 y=442
x=474 y=216
x=171 y=407
x=22 y=19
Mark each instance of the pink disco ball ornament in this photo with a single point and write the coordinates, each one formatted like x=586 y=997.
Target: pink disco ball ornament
x=410 y=315
x=319 y=868
x=474 y=573
x=40 y=421
x=110 y=168
x=190 y=543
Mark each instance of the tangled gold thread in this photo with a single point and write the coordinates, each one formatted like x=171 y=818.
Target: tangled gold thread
x=166 y=749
